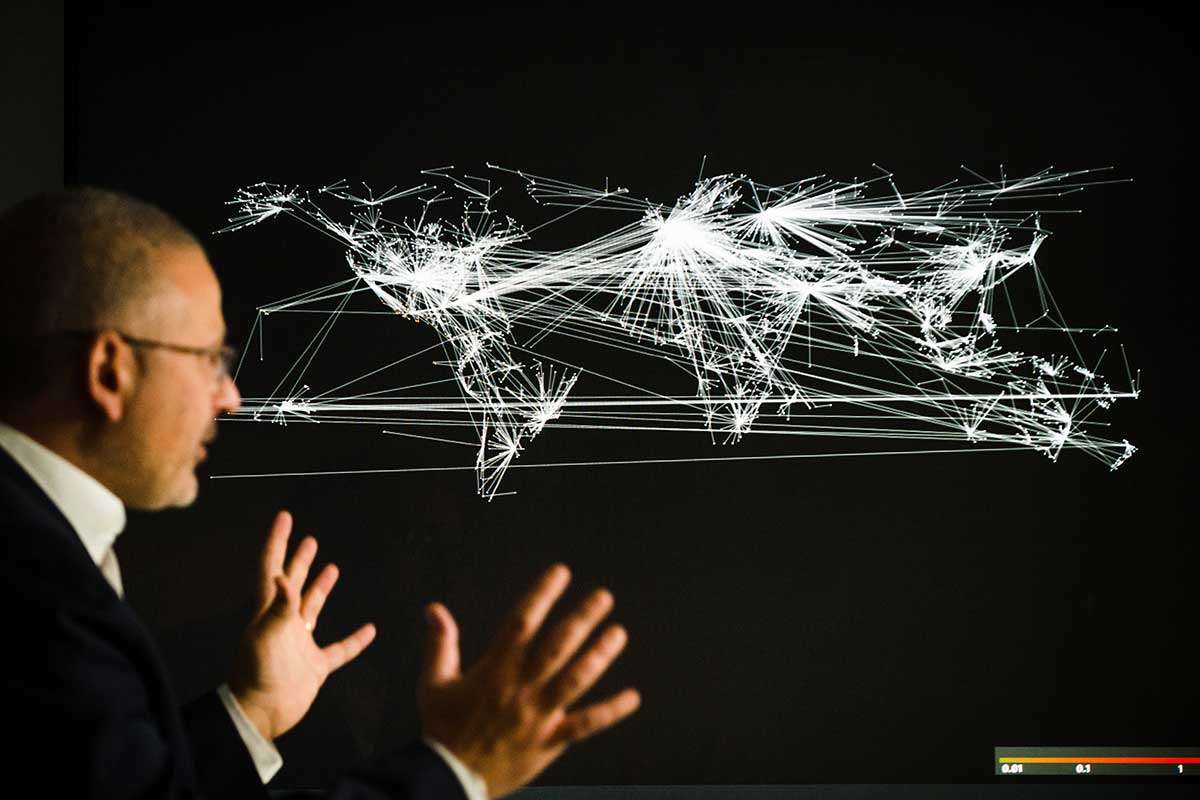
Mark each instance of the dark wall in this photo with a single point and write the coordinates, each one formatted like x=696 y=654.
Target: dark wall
x=31 y=99
x=871 y=619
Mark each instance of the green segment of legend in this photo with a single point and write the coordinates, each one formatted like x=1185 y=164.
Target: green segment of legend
x=1098 y=761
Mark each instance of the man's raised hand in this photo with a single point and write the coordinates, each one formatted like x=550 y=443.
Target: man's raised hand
x=280 y=668
x=507 y=718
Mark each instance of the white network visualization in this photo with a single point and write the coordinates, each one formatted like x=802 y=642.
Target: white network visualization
x=813 y=309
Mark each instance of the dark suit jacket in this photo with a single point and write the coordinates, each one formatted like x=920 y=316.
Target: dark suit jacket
x=86 y=708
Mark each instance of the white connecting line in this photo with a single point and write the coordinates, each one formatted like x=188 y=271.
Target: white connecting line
x=817 y=309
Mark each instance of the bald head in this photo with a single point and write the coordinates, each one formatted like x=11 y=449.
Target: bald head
x=72 y=260
x=79 y=258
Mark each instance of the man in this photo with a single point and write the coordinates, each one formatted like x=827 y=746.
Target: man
x=114 y=369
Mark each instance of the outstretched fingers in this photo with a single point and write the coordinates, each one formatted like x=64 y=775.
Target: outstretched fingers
x=316 y=595
x=301 y=561
x=574 y=681
x=274 y=551
x=584 y=722
x=530 y=612
x=287 y=599
x=338 y=654
x=568 y=636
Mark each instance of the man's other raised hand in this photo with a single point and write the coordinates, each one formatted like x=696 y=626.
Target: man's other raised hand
x=508 y=717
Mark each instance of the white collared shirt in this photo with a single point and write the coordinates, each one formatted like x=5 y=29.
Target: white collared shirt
x=96 y=514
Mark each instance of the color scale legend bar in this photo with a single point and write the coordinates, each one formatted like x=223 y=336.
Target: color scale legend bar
x=1098 y=761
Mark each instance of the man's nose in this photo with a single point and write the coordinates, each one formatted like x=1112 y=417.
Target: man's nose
x=229 y=399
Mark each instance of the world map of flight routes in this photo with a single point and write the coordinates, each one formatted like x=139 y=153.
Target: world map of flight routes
x=813 y=309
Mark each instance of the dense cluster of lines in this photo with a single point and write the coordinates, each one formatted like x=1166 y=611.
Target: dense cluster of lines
x=818 y=308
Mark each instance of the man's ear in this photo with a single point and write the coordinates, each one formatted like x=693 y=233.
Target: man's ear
x=112 y=374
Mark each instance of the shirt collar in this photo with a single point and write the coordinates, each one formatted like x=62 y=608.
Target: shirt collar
x=96 y=514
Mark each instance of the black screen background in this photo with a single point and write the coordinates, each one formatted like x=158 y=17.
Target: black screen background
x=842 y=620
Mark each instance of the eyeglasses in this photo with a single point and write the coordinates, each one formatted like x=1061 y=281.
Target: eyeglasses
x=222 y=359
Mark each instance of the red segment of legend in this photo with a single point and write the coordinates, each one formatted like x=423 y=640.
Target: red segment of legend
x=1097 y=761
x=1125 y=760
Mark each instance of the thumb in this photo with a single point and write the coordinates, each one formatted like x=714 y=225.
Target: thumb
x=441 y=647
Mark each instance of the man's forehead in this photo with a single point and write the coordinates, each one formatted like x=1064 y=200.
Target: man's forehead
x=189 y=293
x=187 y=264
